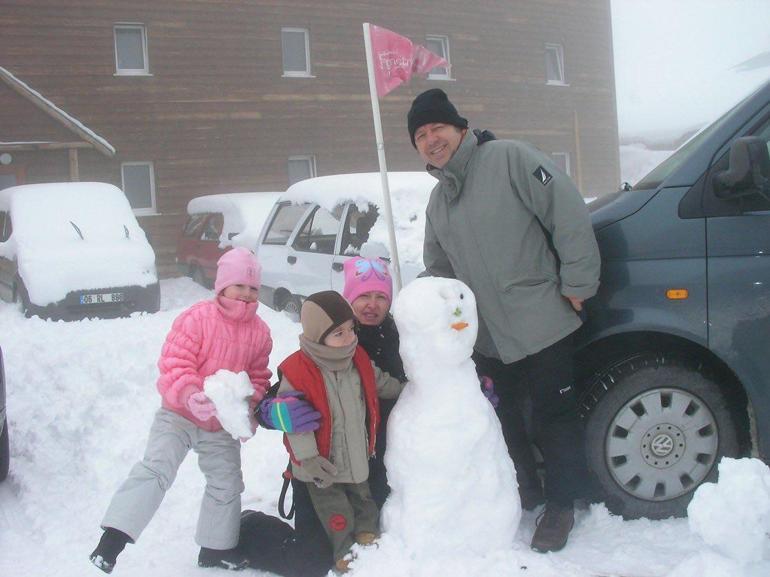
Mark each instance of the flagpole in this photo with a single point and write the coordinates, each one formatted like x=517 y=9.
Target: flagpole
x=394 y=263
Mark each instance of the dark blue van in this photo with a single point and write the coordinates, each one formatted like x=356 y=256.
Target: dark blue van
x=675 y=354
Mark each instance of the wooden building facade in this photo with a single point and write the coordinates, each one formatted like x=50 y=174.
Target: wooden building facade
x=172 y=99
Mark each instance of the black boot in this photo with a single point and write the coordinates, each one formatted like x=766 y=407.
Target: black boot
x=110 y=545
x=231 y=559
x=553 y=527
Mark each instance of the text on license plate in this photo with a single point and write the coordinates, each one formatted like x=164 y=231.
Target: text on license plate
x=96 y=298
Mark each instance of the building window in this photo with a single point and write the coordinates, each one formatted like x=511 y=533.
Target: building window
x=131 y=49
x=300 y=168
x=295 y=46
x=139 y=186
x=554 y=64
x=561 y=159
x=439 y=45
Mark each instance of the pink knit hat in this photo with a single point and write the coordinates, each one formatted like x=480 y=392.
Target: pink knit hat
x=363 y=275
x=238 y=266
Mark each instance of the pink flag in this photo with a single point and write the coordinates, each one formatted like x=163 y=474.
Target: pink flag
x=396 y=58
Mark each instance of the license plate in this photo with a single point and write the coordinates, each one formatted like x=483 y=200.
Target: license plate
x=97 y=298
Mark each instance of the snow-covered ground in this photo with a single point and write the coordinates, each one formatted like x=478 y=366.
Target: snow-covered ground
x=81 y=397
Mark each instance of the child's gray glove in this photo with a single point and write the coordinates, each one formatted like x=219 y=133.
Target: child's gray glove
x=320 y=470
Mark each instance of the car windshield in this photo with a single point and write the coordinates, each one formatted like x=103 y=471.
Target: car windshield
x=661 y=172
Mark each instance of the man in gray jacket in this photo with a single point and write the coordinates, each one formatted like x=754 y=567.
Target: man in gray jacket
x=507 y=222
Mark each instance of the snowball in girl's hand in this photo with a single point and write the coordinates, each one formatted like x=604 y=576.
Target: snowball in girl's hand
x=231 y=392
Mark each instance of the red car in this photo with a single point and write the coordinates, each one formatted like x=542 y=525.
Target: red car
x=215 y=224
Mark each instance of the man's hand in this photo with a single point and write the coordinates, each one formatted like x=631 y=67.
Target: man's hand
x=576 y=303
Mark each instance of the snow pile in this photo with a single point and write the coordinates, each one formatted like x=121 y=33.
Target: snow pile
x=230 y=392
x=244 y=215
x=75 y=236
x=733 y=516
x=733 y=519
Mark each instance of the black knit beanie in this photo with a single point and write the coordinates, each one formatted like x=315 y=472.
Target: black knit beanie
x=432 y=106
x=323 y=312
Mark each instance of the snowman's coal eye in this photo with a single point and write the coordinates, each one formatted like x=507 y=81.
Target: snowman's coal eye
x=462 y=296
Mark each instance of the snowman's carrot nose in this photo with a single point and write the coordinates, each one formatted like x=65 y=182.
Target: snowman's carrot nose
x=459 y=326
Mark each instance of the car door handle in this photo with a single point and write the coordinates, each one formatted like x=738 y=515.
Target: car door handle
x=291 y=259
x=337 y=266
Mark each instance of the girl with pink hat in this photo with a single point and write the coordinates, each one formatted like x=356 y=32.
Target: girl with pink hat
x=221 y=333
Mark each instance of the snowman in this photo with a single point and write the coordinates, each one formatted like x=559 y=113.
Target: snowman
x=453 y=483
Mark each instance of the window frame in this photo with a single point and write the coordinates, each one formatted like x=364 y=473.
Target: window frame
x=444 y=40
x=713 y=206
x=336 y=214
x=145 y=55
x=558 y=48
x=355 y=239
x=193 y=227
x=144 y=211
x=303 y=208
x=307 y=73
x=310 y=158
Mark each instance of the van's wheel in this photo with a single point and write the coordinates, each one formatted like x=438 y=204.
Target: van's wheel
x=656 y=434
x=292 y=306
x=5 y=452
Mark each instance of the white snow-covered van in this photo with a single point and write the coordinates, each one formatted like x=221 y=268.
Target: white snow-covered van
x=319 y=223
x=74 y=250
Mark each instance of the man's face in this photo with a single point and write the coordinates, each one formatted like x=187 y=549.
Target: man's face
x=437 y=142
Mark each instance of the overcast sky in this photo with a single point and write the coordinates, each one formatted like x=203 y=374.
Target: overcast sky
x=680 y=63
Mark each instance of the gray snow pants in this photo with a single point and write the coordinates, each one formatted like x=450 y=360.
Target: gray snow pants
x=219 y=459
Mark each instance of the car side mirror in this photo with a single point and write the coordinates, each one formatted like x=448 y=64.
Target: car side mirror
x=748 y=171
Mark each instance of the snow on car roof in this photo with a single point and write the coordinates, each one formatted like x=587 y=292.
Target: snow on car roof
x=244 y=214
x=45 y=213
x=361 y=188
x=409 y=193
x=75 y=235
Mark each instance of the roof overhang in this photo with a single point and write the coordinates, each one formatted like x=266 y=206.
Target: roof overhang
x=90 y=138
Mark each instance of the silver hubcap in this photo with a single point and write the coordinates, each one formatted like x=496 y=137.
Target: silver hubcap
x=661 y=444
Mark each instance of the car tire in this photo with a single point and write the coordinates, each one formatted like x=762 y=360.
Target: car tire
x=657 y=430
x=292 y=306
x=5 y=452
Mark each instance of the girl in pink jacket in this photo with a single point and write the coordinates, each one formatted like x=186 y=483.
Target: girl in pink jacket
x=222 y=333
